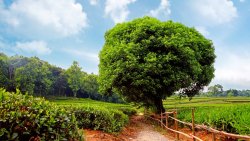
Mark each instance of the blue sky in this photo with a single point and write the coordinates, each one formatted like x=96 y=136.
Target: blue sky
x=66 y=30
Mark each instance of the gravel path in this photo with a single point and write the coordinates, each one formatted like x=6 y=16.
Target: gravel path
x=137 y=130
x=148 y=133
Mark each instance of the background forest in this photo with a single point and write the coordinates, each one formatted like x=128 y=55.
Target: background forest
x=39 y=78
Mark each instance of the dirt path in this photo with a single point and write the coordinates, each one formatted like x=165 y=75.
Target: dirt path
x=147 y=132
x=137 y=130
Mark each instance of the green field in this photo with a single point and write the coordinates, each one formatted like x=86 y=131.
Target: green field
x=228 y=114
x=231 y=114
x=174 y=102
x=88 y=102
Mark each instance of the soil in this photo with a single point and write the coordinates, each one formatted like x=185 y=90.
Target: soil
x=137 y=130
x=140 y=129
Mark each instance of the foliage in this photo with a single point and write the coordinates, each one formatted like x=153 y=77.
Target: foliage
x=3 y=70
x=215 y=92
x=205 y=102
x=109 y=117
x=90 y=84
x=39 y=78
x=99 y=118
x=33 y=77
x=59 y=79
x=216 y=89
x=146 y=60
x=23 y=117
x=230 y=114
x=234 y=119
x=78 y=102
x=74 y=76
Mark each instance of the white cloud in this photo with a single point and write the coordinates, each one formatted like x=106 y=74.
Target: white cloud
x=163 y=9
x=38 y=47
x=202 y=30
x=242 y=0
x=93 y=2
x=44 y=18
x=233 y=69
x=81 y=53
x=214 y=11
x=117 y=9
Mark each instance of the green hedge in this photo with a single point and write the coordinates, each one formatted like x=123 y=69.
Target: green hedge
x=99 y=118
x=23 y=117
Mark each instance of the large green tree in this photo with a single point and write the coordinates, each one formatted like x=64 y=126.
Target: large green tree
x=146 y=60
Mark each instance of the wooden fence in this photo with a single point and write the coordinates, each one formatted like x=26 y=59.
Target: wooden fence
x=166 y=116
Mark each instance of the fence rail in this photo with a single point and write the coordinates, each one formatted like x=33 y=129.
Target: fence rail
x=214 y=132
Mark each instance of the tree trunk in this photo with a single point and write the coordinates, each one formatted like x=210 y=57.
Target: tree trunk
x=75 y=94
x=159 y=106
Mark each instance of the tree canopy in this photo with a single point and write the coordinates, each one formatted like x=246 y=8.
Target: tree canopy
x=146 y=60
x=74 y=77
x=216 y=89
x=39 y=78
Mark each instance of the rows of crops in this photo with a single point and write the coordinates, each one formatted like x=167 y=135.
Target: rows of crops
x=23 y=117
x=227 y=114
x=205 y=102
x=109 y=117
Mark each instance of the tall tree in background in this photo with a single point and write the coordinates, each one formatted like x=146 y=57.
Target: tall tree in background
x=59 y=80
x=74 y=77
x=147 y=60
x=3 y=70
x=216 y=89
x=34 y=77
x=90 y=84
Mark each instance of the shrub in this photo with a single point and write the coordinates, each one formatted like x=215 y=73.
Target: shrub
x=23 y=117
x=234 y=119
x=127 y=110
x=99 y=118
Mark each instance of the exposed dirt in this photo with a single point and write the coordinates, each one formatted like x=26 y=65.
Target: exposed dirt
x=137 y=130
x=141 y=130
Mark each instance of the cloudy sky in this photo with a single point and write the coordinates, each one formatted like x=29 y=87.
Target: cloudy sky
x=60 y=31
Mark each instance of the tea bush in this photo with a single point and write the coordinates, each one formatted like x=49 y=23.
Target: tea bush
x=99 y=118
x=23 y=117
x=234 y=119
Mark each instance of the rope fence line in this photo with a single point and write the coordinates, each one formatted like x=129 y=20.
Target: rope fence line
x=179 y=132
x=193 y=125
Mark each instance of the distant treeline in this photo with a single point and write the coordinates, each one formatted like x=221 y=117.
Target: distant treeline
x=39 y=78
x=217 y=90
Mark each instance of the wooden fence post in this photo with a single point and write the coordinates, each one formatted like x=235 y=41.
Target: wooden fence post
x=161 y=120
x=166 y=119
x=193 y=126
x=213 y=136
x=176 y=124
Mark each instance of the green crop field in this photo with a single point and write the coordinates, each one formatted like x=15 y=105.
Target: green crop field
x=88 y=102
x=128 y=109
x=205 y=102
x=228 y=114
